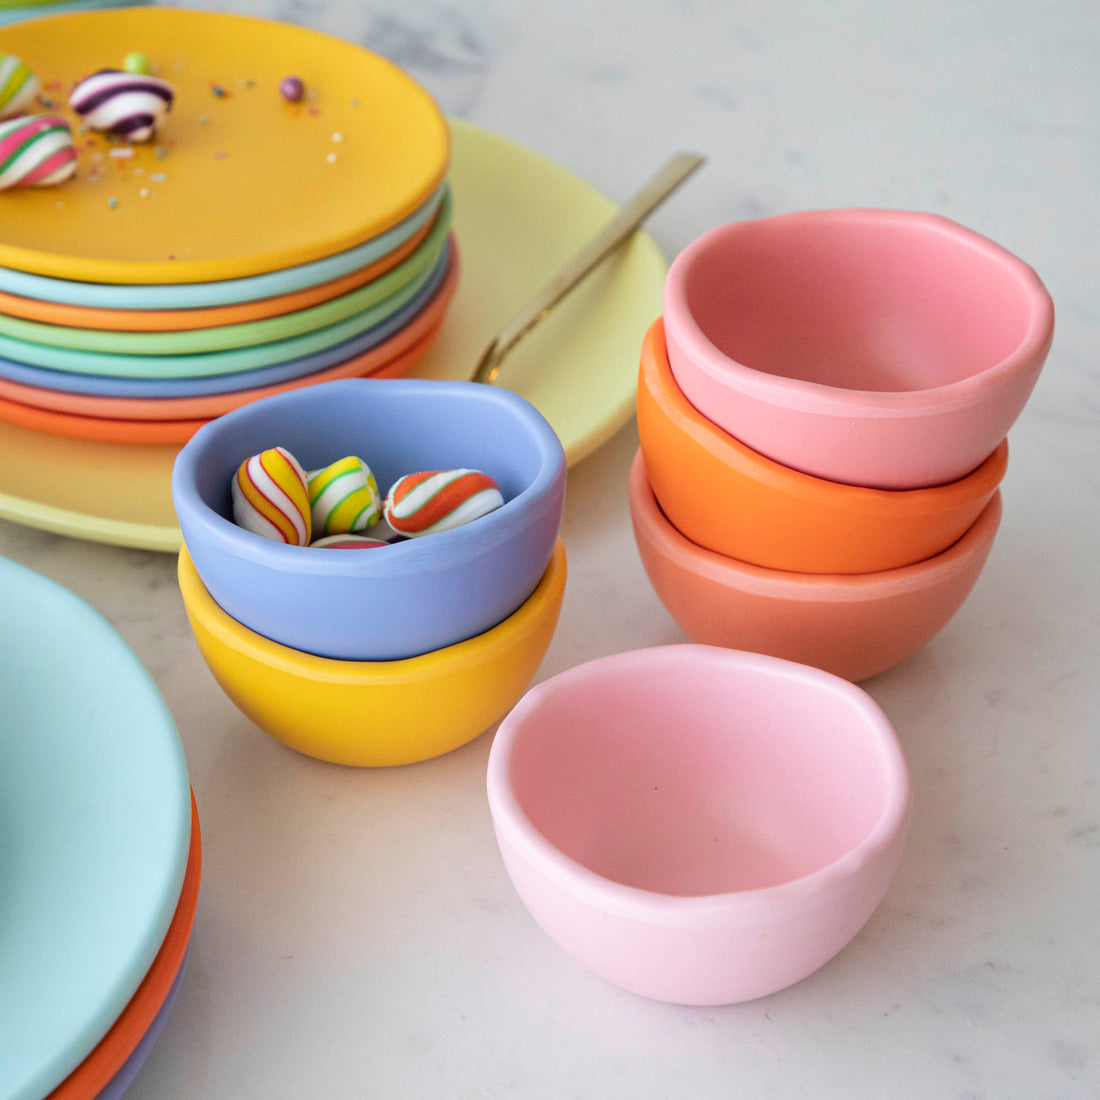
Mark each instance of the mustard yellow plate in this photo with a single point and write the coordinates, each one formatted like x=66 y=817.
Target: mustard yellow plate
x=237 y=181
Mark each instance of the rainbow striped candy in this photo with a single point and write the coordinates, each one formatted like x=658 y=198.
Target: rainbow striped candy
x=436 y=500
x=18 y=86
x=344 y=497
x=35 y=151
x=131 y=105
x=270 y=497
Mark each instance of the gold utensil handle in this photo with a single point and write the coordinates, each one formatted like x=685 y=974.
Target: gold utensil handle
x=614 y=234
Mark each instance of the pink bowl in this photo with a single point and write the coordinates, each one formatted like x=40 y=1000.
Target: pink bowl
x=699 y=825
x=872 y=347
x=853 y=625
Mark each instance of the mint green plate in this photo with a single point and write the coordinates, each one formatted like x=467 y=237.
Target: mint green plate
x=95 y=817
x=207 y=364
x=247 y=333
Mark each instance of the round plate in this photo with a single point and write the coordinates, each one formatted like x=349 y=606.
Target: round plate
x=395 y=337
x=245 y=334
x=518 y=217
x=140 y=1016
x=233 y=381
x=96 y=813
x=251 y=183
x=183 y=320
x=395 y=293
x=178 y=431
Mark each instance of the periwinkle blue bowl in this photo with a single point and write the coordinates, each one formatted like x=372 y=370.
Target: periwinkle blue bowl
x=398 y=601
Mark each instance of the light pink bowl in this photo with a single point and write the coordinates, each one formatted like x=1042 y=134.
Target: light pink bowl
x=872 y=347
x=699 y=825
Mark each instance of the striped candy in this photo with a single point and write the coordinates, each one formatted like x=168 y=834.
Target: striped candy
x=35 y=151
x=344 y=497
x=348 y=542
x=270 y=497
x=18 y=86
x=129 y=104
x=436 y=500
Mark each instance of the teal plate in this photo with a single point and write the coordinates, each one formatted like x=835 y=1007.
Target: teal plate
x=95 y=817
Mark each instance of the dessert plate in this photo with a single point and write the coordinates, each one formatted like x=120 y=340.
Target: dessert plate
x=182 y=320
x=245 y=182
x=394 y=338
x=138 y=431
x=128 y=1033
x=204 y=364
x=518 y=217
x=96 y=813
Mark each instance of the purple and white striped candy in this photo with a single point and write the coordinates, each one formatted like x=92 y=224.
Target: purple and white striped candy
x=131 y=105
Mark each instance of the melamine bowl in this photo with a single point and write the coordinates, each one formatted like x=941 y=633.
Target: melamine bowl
x=376 y=713
x=407 y=599
x=699 y=825
x=873 y=347
x=853 y=626
x=726 y=497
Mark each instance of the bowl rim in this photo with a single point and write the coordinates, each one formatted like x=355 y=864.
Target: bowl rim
x=470 y=653
x=675 y=547
x=744 y=461
x=833 y=401
x=516 y=830
x=454 y=546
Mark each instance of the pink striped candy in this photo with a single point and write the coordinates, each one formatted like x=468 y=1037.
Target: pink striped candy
x=35 y=151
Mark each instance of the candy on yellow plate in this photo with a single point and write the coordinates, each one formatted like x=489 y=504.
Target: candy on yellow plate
x=35 y=151
x=18 y=86
x=270 y=498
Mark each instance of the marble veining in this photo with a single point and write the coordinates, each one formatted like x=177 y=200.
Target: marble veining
x=357 y=935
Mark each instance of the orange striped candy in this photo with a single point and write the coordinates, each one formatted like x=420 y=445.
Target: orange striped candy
x=270 y=497
x=436 y=500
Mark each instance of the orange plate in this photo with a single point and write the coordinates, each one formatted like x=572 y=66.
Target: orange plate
x=93 y=1075
x=103 y=430
x=185 y=320
x=204 y=407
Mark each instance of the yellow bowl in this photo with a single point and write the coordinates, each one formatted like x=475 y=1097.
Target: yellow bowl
x=376 y=713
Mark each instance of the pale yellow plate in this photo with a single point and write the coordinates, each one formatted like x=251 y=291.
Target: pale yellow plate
x=237 y=181
x=517 y=218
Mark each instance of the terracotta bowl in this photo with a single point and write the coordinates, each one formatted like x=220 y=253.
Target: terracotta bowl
x=726 y=497
x=853 y=626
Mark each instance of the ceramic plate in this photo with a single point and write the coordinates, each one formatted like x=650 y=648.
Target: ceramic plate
x=95 y=819
x=415 y=326
x=246 y=182
x=127 y=1036
x=518 y=217
x=209 y=363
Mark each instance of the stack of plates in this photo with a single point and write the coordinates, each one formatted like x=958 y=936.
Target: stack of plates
x=99 y=849
x=254 y=245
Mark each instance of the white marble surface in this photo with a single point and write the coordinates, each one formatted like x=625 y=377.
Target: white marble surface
x=357 y=935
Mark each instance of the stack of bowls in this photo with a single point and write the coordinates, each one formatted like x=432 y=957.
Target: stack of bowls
x=255 y=244
x=393 y=654
x=823 y=413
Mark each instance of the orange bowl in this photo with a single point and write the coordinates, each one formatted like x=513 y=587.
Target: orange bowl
x=727 y=498
x=853 y=626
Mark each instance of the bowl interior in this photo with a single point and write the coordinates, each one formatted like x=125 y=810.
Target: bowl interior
x=859 y=300
x=703 y=777
x=397 y=426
